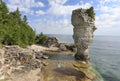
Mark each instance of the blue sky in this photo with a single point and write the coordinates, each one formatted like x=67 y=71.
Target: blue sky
x=54 y=16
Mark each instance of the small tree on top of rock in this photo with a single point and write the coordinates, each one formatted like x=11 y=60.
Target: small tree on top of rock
x=91 y=13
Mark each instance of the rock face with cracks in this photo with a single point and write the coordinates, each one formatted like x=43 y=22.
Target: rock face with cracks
x=84 y=27
x=18 y=64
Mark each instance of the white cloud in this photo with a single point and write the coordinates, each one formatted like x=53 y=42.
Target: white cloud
x=60 y=2
x=109 y=17
x=24 y=5
x=39 y=4
x=108 y=1
x=53 y=27
x=57 y=7
x=60 y=26
x=40 y=12
x=21 y=8
x=14 y=1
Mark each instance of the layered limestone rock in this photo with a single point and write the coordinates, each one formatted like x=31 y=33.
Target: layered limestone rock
x=83 y=22
x=18 y=64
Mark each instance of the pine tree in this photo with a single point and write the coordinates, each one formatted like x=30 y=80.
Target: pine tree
x=13 y=29
x=17 y=15
x=25 y=19
x=3 y=12
x=3 y=7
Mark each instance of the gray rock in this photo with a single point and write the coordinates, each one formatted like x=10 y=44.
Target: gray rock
x=83 y=32
x=52 y=41
x=62 y=47
x=17 y=61
x=25 y=57
x=38 y=55
x=45 y=57
x=33 y=64
x=71 y=47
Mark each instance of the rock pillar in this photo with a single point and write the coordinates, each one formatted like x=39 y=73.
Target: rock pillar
x=83 y=22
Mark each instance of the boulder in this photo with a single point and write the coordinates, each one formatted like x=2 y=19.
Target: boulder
x=62 y=47
x=38 y=55
x=71 y=47
x=45 y=57
x=66 y=47
x=52 y=41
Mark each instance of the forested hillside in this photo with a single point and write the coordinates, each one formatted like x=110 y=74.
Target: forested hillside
x=14 y=30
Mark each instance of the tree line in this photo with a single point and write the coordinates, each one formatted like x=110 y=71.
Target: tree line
x=15 y=30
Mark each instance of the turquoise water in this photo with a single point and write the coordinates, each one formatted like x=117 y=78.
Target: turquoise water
x=104 y=53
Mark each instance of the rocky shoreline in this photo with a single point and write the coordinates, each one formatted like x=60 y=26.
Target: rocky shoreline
x=28 y=64
x=16 y=62
x=50 y=60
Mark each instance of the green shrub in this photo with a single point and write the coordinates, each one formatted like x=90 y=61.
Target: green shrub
x=41 y=39
x=91 y=13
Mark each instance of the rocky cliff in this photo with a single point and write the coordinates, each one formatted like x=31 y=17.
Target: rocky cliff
x=84 y=27
x=26 y=64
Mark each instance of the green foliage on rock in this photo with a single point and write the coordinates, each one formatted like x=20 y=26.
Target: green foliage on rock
x=41 y=39
x=91 y=13
x=13 y=29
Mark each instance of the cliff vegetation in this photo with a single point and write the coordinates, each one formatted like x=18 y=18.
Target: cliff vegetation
x=91 y=13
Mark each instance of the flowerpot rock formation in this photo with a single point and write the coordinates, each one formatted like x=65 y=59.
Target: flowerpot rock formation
x=84 y=26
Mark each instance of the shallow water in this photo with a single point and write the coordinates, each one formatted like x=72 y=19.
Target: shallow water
x=60 y=68
x=104 y=53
